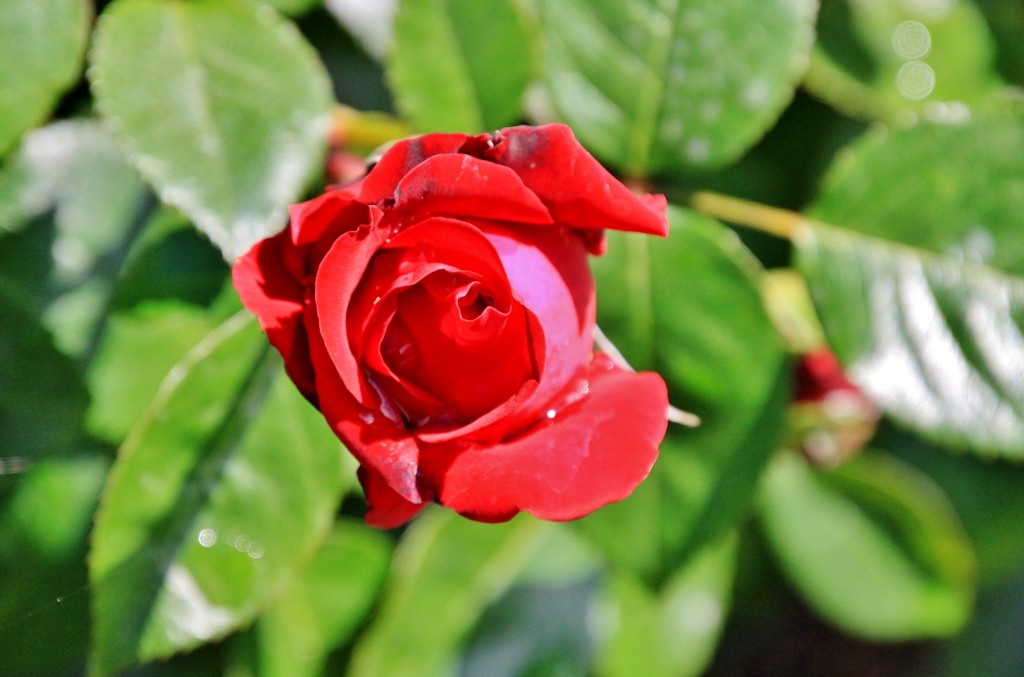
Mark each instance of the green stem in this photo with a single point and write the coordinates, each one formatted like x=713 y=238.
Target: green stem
x=772 y=220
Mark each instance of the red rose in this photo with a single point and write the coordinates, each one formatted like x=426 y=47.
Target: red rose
x=440 y=314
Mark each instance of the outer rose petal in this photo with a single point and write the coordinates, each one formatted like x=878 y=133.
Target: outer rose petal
x=593 y=452
x=331 y=213
x=270 y=291
x=387 y=508
x=399 y=160
x=465 y=187
x=578 y=191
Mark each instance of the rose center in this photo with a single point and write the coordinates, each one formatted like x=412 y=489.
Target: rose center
x=455 y=352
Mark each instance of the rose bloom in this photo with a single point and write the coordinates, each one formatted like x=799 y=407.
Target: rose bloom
x=440 y=312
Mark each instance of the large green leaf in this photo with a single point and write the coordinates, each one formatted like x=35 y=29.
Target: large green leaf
x=674 y=632
x=74 y=206
x=222 y=105
x=459 y=66
x=223 y=490
x=321 y=609
x=874 y=547
x=41 y=47
x=878 y=57
x=650 y=86
x=43 y=397
x=689 y=308
x=921 y=289
x=445 y=572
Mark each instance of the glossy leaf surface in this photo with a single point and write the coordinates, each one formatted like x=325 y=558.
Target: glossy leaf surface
x=234 y=119
x=689 y=308
x=874 y=547
x=921 y=288
x=650 y=86
x=239 y=480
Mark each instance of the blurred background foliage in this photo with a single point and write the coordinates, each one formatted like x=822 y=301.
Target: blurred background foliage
x=846 y=178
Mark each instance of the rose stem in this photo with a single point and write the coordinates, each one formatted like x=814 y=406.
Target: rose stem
x=772 y=220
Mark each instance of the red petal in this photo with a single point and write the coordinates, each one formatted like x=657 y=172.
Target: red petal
x=376 y=441
x=466 y=187
x=387 y=509
x=272 y=293
x=593 y=452
x=340 y=273
x=577 y=190
x=329 y=215
x=399 y=160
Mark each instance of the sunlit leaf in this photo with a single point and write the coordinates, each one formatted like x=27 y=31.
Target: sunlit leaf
x=74 y=206
x=673 y=632
x=874 y=547
x=446 y=570
x=41 y=47
x=921 y=288
x=221 y=493
x=459 y=66
x=650 y=86
x=222 y=105
x=688 y=307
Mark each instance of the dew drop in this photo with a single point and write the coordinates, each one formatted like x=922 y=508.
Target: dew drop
x=366 y=417
x=551 y=413
x=207 y=538
x=911 y=40
x=915 y=80
x=256 y=550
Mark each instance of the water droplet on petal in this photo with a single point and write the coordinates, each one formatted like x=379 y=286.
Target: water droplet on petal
x=551 y=413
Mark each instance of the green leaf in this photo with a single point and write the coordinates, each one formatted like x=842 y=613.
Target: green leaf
x=321 y=609
x=41 y=48
x=654 y=86
x=445 y=572
x=43 y=398
x=138 y=349
x=43 y=537
x=222 y=105
x=921 y=292
x=874 y=547
x=223 y=490
x=689 y=308
x=459 y=66
x=876 y=58
x=674 y=632
x=74 y=205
